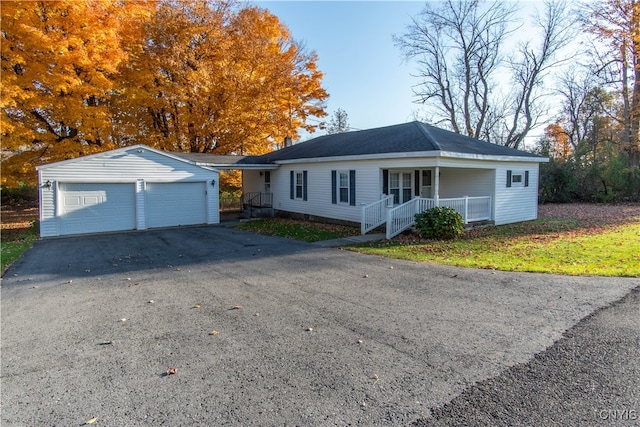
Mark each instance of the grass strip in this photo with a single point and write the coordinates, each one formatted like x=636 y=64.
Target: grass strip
x=299 y=230
x=556 y=246
x=11 y=250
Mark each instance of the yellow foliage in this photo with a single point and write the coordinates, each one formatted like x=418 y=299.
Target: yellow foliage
x=83 y=77
x=231 y=180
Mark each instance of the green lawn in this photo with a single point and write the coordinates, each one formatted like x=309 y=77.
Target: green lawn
x=558 y=246
x=544 y=246
x=305 y=231
x=12 y=249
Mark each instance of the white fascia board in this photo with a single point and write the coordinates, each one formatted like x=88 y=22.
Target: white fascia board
x=418 y=154
x=381 y=156
x=495 y=158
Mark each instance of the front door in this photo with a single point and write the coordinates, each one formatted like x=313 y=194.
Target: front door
x=400 y=186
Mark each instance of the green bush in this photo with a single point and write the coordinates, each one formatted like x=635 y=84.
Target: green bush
x=441 y=223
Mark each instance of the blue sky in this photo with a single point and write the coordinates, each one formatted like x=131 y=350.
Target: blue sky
x=364 y=71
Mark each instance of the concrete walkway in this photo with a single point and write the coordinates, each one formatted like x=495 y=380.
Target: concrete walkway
x=349 y=240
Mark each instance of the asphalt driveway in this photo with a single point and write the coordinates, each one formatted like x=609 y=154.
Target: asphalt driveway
x=262 y=330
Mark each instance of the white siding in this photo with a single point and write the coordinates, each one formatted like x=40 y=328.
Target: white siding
x=466 y=182
x=318 y=203
x=48 y=202
x=515 y=204
x=141 y=215
x=135 y=165
x=252 y=181
x=458 y=178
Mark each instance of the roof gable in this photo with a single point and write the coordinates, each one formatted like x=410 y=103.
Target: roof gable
x=114 y=153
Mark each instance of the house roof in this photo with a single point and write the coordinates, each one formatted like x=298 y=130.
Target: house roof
x=412 y=137
x=403 y=138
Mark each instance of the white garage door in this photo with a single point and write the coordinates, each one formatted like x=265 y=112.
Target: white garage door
x=93 y=208
x=176 y=203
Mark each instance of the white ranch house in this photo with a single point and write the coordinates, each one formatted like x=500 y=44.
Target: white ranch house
x=374 y=177
x=386 y=175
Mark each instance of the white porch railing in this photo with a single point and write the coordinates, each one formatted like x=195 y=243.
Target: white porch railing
x=401 y=217
x=470 y=208
x=374 y=214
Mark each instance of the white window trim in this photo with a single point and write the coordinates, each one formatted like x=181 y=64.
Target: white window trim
x=339 y=187
x=515 y=183
x=296 y=184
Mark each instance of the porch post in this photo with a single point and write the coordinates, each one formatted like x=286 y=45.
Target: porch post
x=389 y=222
x=466 y=209
x=436 y=186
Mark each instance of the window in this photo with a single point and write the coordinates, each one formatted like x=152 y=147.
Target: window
x=517 y=178
x=267 y=181
x=298 y=185
x=406 y=186
x=343 y=187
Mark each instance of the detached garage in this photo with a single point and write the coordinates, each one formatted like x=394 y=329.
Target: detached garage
x=132 y=188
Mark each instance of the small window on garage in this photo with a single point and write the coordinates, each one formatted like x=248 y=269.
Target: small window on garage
x=517 y=178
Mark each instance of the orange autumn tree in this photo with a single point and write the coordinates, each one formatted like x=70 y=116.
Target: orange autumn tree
x=199 y=76
x=560 y=145
x=59 y=67
x=222 y=80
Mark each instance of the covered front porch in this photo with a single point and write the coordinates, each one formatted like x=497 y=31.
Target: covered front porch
x=399 y=218
x=407 y=192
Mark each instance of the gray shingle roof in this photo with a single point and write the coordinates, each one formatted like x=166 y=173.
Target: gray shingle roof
x=403 y=138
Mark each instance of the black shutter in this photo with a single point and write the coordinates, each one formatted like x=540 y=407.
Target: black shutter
x=526 y=178
x=385 y=181
x=508 y=178
x=352 y=187
x=416 y=180
x=291 y=185
x=304 y=185
x=334 y=196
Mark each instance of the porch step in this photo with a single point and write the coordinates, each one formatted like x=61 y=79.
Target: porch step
x=257 y=212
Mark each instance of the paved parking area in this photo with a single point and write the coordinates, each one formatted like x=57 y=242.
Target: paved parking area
x=304 y=335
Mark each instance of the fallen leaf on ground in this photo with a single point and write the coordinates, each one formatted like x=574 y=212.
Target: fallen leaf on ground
x=236 y=307
x=196 y=306
x=214 y=333
x=171 y=371
x=91 y=421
